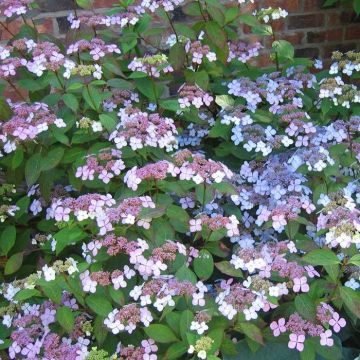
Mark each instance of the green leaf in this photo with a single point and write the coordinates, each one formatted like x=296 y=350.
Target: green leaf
x=351 y=299
x=333 y=271
x=148 y=88
x=14 y=263
x=52 y=290
x=305 y=307
x=108 y=122
x=177 y=56
x=99 y=333
x=68 y=236
x=7 y=240
x=204 y=265
x=321 y=257
x=175 y=351
x=65 y=318
x=160 y=333
x=225 y=101
x=226 y=268
x=99 y=304
x=356 y=5
x=284 y=49
x=33 y=169
x=176 y=212
x=86 y=4
x=185 y=321
x=52 y=159
x=25 y=294
x=120 y=84
x=71 y=101
x=355 y=260
x=17 y=158
x=5 y=110
x=215 y=33
x=184 y=273
x=251 y=331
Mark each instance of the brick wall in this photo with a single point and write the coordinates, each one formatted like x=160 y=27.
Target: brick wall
x=313 y=30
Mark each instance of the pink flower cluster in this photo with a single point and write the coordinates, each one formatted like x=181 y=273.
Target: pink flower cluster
x=120 y=97
x=199 y=51
x=216 y=222
x=105 y=165
x=163 y=292
x=32 y=337
x=167 y=5
x=150 y=172
x=243 y=52
x=193 y=95
x=127 y=318
x=14 y=7
x=130 y=17
x=9 y=66
x=151 y=65
x=139 y=129
x=300 y=328
x=146 y=351
x=96 y=47
x=27 y=122
x=196 y=167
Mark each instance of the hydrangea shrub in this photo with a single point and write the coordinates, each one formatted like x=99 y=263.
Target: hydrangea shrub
x=164 y=196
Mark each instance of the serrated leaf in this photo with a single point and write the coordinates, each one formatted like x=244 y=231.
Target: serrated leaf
x=7 y=240
x=65 y=318
x=251 y=331
x=305 y=307
x=321 y=257
x=226 y=268
x=99 y=305
x=71 y=101
x=52 y=159
x=204 y=265
x=14 y=263
x=351 y=299
x=33 y=169
x=160 y=333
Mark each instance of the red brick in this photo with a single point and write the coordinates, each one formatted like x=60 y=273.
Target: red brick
x=342 y=18
x=13 y=27
x=290 y=5
x=306 y=21
x=313 y=5
x=278 y=25
x=325 y=36
x=43 y=26
x=295 y=39
x=352 y=33
x=310 y=52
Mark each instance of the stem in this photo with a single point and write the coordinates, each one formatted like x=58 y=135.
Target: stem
x=59 y=80
x=24 y=20
x=204 y=197
x=149 y=43
x=155 y=94
x=172 y=26
x=276 y=54
x=201 y=11
x=17 y=91
x=7 y=29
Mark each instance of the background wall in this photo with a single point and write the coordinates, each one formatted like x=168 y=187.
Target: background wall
x=313 y=30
